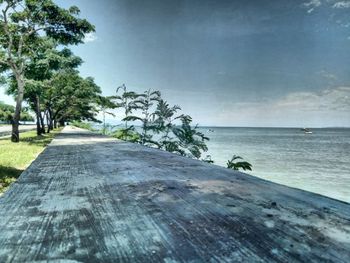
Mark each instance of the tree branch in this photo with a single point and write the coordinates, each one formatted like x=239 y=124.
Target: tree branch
x=11 y=62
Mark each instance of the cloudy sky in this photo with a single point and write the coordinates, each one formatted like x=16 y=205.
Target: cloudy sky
x=227 y=63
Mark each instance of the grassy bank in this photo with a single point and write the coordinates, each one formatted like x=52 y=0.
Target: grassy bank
x=15 y=157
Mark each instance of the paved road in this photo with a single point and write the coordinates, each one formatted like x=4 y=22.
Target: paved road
x=88 y=198
x=6 y=129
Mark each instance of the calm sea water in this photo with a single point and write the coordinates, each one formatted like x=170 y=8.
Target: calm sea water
x=318 y=162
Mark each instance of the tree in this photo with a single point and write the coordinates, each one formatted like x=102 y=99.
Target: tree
x=234 y=165
x=160 y=119
x=104 y=104
x=25 y=116
x=191 y=141
x=23 y=26
x=165 y=116
x=56 y=62
x=6 y=113
x=164 y=125
x=126 y=101
x=174 y=132
x=73 y=98
x=44 y=65
x=145 y=102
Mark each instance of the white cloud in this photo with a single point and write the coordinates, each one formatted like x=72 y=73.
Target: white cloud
x=330 y=107
x=337 y=99
x=311 y=5
x=90 y=37
x=342 y=4
x=326 y=100
x=327 y=75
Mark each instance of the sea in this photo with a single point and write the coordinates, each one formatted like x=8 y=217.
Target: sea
x=317 y=162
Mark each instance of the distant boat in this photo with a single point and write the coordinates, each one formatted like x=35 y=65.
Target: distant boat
x=210 y=130
x=306 y=131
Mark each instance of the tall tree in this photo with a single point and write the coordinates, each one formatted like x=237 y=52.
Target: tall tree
x=23 y=26
x=6 y=113
x=73 y=97
x=45 y=63
x=56 y=62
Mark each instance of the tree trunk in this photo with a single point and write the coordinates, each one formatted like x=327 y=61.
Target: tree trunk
x=61 y=123
x=51 y=119
x=37 y=112
x=55 y=124
x=42 y=123
x=47 y=121
x=17 y=114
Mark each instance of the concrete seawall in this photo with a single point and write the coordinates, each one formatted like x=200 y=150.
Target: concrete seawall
x=89 y=198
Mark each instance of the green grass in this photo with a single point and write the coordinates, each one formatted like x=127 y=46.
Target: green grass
x=83 y=125
x=15 y=157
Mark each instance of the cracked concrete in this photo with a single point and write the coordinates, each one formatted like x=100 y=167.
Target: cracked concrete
x=89 y=198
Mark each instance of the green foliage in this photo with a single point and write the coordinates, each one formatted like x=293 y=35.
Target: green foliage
x=83 y=125
x=128 y=134
x=29 y=28
x=25 y=116
x=48 y=59
x=105 y=103
x=124 y=99
x=107 y=129
x=208 y=159
x=26 y=22
x=164 y=125
x=190 y=139
x=160 y=125
x=6 y=113
x=55 y=91
x=236 y=165
x=144 y=102
x=174 y=132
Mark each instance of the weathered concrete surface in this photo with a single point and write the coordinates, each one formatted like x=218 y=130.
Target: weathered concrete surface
x=88 y=198
x=7 y=129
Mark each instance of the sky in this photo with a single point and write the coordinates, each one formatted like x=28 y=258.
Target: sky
x=271 y=63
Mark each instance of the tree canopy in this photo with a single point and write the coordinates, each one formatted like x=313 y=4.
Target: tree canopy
x=55 y=91
x=6 y=113
x=25 y=26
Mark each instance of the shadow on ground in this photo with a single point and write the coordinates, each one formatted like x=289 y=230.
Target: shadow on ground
x=7 y=176
x=40 y=140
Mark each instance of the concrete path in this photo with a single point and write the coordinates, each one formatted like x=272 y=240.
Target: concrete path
x=88 y=198
x=6 y=129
